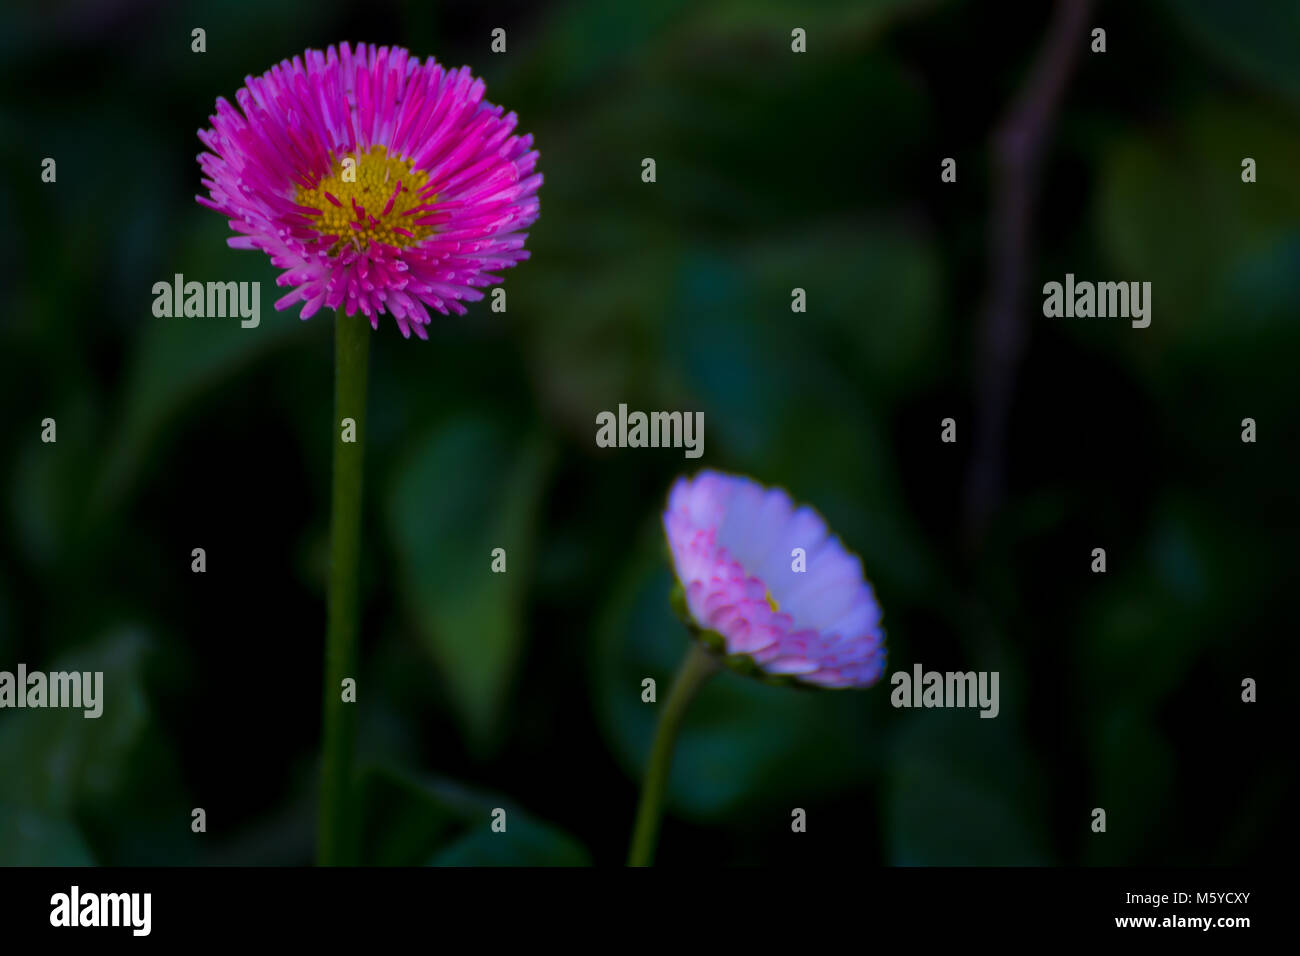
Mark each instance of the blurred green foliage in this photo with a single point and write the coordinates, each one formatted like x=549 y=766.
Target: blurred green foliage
x=522 y=690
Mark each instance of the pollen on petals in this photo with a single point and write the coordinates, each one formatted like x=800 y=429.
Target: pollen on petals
x=734 y=547
x=377 y=182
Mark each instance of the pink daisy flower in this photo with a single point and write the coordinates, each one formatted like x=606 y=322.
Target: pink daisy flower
x=733 y=546
x=375 y=181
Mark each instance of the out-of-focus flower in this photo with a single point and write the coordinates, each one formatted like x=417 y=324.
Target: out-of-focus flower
x=733 y=544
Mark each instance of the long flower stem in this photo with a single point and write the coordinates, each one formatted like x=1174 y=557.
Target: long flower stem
x=699 y=665
x=335 y=842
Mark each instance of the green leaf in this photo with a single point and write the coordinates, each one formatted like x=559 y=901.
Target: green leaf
x=1257 y=39
x=526 y=842
x=47 y=487
x=962 y=791
x=884 y=329
x=60 y=758
x=468 y=488
x=406 y=818
x=176 y=358
x=31 y=838
x=1221 y=268
x=1176 y=594
x=436 y=822
x=587 y=42
x=765 y=377
x=1132 y=780
x=836 y=15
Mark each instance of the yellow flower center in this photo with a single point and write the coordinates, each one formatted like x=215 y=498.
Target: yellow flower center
x=771 y=602
x=371 y=197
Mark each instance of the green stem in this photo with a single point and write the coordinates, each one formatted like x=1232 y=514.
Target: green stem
x=351 y=349
x=699 y=665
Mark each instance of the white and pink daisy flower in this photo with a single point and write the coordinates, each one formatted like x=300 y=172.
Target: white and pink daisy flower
x=733 y=545
x=378 y=183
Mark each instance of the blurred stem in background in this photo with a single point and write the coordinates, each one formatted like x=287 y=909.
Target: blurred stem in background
x=700 y=664
x=1019 y=144
x=351 y=353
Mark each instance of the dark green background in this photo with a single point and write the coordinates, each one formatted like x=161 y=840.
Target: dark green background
x=523 y=690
